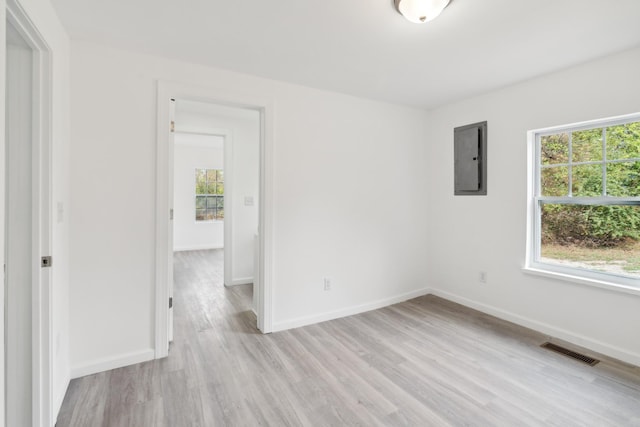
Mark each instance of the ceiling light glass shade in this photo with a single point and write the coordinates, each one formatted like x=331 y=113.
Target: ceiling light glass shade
x=420 y=11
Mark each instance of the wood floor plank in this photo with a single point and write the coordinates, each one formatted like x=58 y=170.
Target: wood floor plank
x=424 y=362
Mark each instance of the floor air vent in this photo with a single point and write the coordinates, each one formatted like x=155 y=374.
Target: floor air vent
x=572 y=354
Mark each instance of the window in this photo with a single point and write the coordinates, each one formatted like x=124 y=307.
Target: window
x=209 y=194
x=585 y=194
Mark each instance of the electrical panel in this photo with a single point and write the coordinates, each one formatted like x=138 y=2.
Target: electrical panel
x=470 y=159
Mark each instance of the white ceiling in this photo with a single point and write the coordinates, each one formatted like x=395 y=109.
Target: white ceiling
x=364 y=47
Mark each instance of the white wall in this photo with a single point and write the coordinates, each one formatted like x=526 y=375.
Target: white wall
x=189 y=234
x=472 y=234
x=45 y=19
x=243 y=130
x=349 y=194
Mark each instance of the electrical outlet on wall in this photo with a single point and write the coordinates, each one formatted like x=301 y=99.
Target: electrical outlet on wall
x=482 y=277
x=327 y=283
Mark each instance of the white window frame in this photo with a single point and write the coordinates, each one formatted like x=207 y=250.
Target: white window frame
x=535 y=201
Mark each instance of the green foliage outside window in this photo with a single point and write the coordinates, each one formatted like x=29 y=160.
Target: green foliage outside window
x=603 y=162
x=209 y=194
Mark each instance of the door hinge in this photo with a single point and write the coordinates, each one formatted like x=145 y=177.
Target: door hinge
x=170 y=213
x=173 y=126
x=170 y=302
x=46 y=261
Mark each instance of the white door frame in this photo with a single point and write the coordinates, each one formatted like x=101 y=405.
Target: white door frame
x=42 y=355
x=164 y=253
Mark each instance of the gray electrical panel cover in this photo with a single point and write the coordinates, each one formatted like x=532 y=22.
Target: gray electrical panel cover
x=470 y=159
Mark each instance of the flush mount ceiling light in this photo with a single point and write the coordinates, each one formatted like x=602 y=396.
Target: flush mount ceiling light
x=420 y=11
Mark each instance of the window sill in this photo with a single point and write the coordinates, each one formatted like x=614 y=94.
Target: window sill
x=211 y=221
x=597 y=283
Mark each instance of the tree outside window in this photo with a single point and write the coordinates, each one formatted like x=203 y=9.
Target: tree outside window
x=209 y=194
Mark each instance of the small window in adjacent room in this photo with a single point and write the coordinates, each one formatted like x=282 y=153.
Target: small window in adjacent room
x=585 y=201
x=209 y=194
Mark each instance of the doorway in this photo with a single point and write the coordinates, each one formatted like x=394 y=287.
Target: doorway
x=27 y=226
x=216 y=152
x=181 y=109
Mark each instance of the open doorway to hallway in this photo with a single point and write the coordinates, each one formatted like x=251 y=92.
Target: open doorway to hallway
x=261 y=202
x=216 y=184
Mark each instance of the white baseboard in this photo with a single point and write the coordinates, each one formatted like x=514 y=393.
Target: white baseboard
x=348 y=311
x=112 y=363
x=195 y=248
x=577 y=339
x=241 y=281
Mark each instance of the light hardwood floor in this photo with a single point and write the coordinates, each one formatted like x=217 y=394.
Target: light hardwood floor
x=424 y=362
